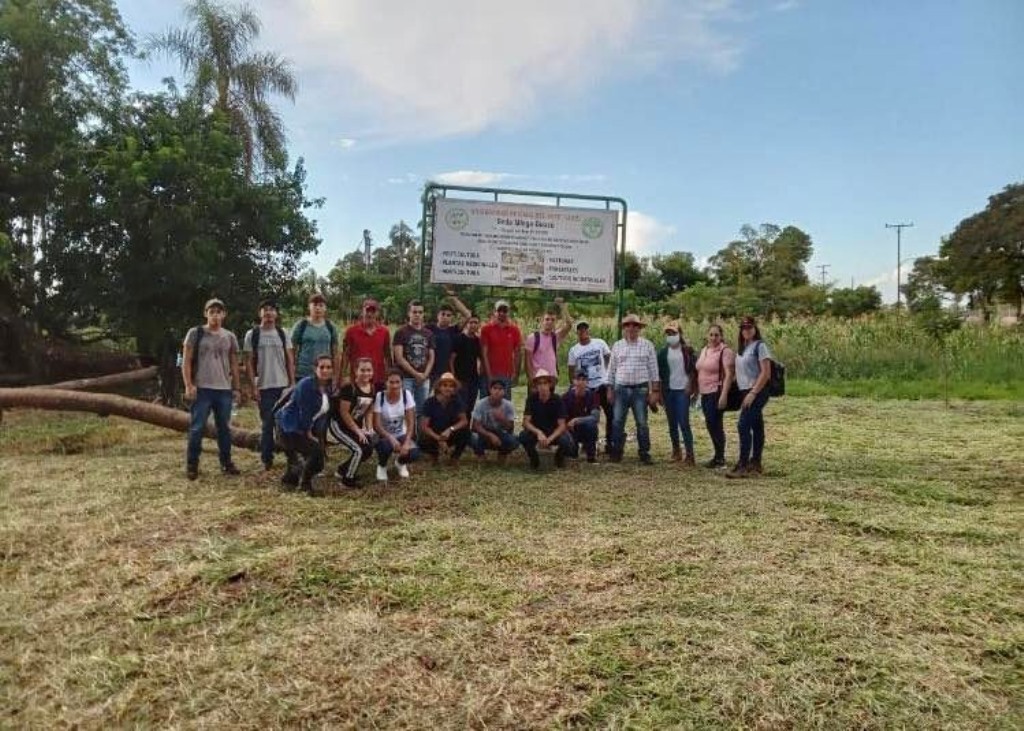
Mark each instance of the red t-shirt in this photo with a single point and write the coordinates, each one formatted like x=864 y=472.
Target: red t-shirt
x=501 y=343
x=361 y=344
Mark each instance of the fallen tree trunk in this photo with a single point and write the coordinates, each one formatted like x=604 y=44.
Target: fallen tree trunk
x=104 y=404
x=112 y=381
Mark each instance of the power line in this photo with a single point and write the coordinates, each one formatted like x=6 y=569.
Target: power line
x=899 y=255
x=824 y=268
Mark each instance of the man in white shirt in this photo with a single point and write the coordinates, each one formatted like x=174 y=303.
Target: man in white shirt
x=591 y=356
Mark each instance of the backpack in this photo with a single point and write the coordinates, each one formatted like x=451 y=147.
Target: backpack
x=200 y=331
x=536 y=341
x=405 y=399
x=254 y=340
x=300 y=331
x=777 y=380
x=733 y=399
x=283 y=400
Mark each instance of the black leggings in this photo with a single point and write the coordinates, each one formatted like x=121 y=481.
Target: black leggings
x=713 y=419
x=296 y=443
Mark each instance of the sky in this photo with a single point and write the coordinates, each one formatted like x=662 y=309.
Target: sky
x=834 y=116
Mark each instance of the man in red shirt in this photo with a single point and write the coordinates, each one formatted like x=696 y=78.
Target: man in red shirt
x=367 y=339
x=501 y=349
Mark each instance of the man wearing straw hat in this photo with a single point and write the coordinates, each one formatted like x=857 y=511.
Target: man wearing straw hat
x=634 y=384
x=444 y=424
x=544 y=422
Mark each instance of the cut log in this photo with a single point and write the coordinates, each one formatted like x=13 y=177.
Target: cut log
x=112 y=381
x=104 y=404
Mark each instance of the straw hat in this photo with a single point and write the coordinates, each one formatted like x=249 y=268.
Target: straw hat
x=540 y=374
x=447 y=377
x=632 y=319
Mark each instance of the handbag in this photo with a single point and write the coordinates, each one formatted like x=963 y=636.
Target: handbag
x=734 y=399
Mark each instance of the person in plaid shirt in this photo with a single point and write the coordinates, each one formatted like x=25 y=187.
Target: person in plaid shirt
x=633 y=384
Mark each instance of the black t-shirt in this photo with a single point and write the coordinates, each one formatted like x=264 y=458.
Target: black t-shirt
x=467 y=351
x=444 y=338
x=545 y=414
x=360 y=403
x=441 y=415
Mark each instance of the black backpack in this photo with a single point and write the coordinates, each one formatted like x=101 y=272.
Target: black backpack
x=777 y=380
x=300 y=331
x=200 y=331
x=536 y=341
x=254 y=340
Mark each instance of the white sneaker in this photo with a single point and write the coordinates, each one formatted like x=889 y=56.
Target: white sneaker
x=403 y=471
x=382 y=473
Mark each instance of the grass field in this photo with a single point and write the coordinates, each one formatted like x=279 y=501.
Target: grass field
x=874 y=578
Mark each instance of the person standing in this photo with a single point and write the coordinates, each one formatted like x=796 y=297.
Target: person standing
x=368 y=338
x=753 y=370
x=465 y=362
x=444 y=342
x=493 y=423
x=299 y=422
x=582 y=412
x=716 y=370
x=413 y=351
x=394 y=419
x=444 y=427
x=501 y=348
x=544 y=422
x=313 y=336
x=633 y=385
x=268 y=361
x=542 y=345
x=209 y=368
x=590 y=355
x=677 y=370
x=351 y=423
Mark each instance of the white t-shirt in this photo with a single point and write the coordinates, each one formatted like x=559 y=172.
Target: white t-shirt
x=392 y=415
x=678 y=378
x=590 y=358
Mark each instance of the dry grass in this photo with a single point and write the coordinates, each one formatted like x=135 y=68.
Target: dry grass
x=871 y=580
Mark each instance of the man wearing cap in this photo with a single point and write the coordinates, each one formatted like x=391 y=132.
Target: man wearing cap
x=494 y=419
x=271 y=370
x=542 y=345
x=210 y=370
x=544 y=422
x=634 y=385
x=313 y=336
x=444 y=427
x=582 y=412
x=367 y=338
x=501 y=348
x=590 y=356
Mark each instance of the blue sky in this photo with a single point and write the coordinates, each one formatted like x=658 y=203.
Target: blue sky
x=836 y=117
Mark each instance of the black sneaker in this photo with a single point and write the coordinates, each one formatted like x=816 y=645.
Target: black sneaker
x=192 y=472
x=342 y=469
x=646 y=459
x=738 y=472
x=229 y=468
x=290 y=479
x=714 y=463
x=350 y=482
x=267 y=466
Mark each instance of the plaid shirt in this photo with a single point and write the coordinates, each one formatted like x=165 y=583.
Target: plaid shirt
x=633 y=363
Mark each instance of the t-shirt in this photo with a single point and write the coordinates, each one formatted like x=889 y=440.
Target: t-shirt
x=484 y=416
x=444 y=341
x=392 y=415
x=362 y=344
x=271 y=366
x=546 y=355
x=748 y=364
x=467 y=353
x=360 y=402
x=216 y=349
x=442 y=415
x=578 y=407
x=316 y=341
x=545 y=414
x=501 y=342
x=416 y=345
x=590 y=359
x=678 y=378
x=708 y=377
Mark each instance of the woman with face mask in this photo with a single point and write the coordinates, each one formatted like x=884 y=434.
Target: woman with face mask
x=676 y=366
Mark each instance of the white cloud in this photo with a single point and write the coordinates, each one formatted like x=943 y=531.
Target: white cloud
x=646 y=235
x=407 y=69
x=473 y=177
x=407 y=179
x=785 y=6
x=345 y=143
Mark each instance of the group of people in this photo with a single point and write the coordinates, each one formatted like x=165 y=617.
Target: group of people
x=440 y=389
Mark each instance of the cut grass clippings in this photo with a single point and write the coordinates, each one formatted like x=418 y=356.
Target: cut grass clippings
x=872 y=579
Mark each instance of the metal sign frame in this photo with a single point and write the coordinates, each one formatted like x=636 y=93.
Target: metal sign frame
x=433 y=191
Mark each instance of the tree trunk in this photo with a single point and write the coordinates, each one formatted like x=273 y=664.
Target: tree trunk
x=102 y=382
x=106 y=404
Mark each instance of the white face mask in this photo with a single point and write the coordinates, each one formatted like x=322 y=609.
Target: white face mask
x=672 y=339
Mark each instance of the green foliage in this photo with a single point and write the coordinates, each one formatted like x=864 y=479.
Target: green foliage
x=854 y=301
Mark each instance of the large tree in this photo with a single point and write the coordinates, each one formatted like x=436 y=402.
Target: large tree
x=225 y=73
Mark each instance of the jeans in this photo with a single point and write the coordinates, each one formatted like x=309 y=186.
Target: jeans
x=219 y=401
x=565 y=446
x=601 y=392
x=420 y=393
x=385 y=449
x=713 y=419
x=677 y=409
x=631 y=398
x=509 y=443
x=585 y=433
x=751 y=428
x=457 y=443
x=268 y=397
x=296 y=443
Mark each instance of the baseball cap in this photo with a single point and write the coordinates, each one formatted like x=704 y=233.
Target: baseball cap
x=501 y=303
x=582 y=324
x=370 y=304
x=268 y=302
x=213 y=302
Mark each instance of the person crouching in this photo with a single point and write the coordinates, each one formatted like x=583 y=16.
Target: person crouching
x=298 y=422
x=544 y=421
x=444 y=424
x=582 y=408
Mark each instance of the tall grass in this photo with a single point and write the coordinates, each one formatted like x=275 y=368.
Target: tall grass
x=886 y=356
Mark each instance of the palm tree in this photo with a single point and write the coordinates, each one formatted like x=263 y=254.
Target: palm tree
x=214 y=50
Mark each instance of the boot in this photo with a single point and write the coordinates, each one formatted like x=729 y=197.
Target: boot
x=755 y=467
x=689 y=461
x=738 y=472
x=677 y=454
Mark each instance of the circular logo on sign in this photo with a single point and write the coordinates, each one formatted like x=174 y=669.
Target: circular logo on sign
x=592 y=227
x=456 y=218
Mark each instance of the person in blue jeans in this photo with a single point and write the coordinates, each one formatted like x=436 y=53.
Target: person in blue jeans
x=676 y=367
x=753 y=371
x=270 y=364
x=493 y=423
x=544 y=422
x=394 y=419
x=413 y=352
x=635 y=385
x=583 y=409
x=210 y=371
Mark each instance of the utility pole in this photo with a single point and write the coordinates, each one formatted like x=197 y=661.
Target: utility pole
x=824 y=269
x=899 y=256
x=367 y=244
